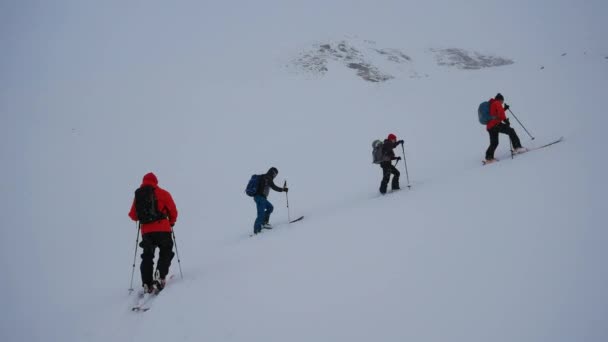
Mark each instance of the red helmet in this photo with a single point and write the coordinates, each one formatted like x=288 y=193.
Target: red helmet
x=392 y=137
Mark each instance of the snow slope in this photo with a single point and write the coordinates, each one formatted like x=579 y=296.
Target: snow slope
x=94 y=95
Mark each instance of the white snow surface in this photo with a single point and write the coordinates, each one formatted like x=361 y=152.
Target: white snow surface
x=93 y=95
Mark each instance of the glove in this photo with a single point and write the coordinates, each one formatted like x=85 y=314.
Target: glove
x=507 y=122
x=507 y=106
x=172 y=224
x=400 y=142
x=398 y=158
x=285 y=189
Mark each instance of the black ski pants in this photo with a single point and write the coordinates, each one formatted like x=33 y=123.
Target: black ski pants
x=149 y=243
x=504 y=129
x=387 y=169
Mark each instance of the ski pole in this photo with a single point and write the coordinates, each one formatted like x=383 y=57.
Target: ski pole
x=521 y=124
x=134 y=256
x=287 y=198
x=405 y=163
x=179 y=262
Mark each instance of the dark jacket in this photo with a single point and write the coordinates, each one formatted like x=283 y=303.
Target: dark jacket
x=267 y=182
x=387 y=150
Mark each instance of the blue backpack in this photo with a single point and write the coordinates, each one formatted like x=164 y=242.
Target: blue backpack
x=252 y=186
x=484 y=113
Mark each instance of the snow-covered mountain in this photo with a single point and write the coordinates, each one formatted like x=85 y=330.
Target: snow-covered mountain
x=372 y=63
x=95 y=94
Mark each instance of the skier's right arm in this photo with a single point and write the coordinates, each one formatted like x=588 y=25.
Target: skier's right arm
x=132 y=212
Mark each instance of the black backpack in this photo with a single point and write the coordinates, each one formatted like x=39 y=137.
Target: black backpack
x=146 y=205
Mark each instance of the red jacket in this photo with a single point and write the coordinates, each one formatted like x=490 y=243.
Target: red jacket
x=164 y=203
x=497 y=112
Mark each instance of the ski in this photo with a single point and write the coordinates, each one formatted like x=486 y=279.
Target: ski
x=279 y=225
x=543 y=146
x=560 y=139
x=485 y=162
x=297 y=220
x=145 y=299
x=388 y=192
x=142 y=301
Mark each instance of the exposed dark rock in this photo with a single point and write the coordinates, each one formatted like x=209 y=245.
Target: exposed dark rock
x=468 y=60
x=316 y=60
x=369 y=73
x=394 y=55
x=312 y=63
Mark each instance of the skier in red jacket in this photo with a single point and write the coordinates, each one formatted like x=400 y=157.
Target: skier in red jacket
x=500 y=124
x=388 y=168
x=155 y=210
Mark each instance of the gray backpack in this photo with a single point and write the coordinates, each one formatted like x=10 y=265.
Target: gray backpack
x=377 y=155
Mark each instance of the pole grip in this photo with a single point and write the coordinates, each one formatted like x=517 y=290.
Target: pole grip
x=287 y=198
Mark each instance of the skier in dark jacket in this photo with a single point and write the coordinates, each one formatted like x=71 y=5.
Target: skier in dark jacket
x=264 y=207
x=387 y=166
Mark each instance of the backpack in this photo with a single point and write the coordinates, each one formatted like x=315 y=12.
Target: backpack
x=146 y=205
x=377 y=155
x=483 y=112
x=252 y=185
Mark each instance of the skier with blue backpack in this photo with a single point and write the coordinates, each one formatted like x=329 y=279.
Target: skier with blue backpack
x=492 y=114
x=259 y=187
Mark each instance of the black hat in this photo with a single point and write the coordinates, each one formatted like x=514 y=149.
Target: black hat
x=499 y=97
x=273 y=172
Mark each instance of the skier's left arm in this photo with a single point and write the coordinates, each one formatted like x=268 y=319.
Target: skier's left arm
x=497 y=112
x=169 y=207
x=395 y=144
x=275 y=187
